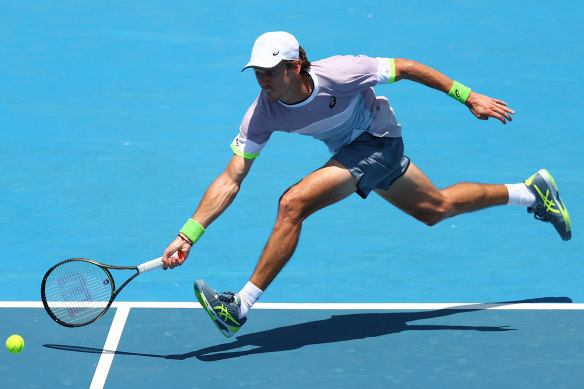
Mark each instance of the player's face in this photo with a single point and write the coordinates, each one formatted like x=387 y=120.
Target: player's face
x=275 y=82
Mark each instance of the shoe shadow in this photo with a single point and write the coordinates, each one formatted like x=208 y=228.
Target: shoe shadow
x=337 y=328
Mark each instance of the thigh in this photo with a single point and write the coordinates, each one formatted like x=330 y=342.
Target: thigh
x=413 y=193
x=325 y=186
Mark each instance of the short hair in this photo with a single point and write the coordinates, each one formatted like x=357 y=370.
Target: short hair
x=304 y=62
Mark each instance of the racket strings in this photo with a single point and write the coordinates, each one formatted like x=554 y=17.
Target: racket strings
x=77 y=291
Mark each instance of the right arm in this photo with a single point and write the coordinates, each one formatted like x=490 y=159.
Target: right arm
x=222 y=191
x=215 y=201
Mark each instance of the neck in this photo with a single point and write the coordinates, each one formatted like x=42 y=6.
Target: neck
x=308 y=83
x=304 y=90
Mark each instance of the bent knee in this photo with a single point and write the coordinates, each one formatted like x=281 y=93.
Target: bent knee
x=429 y=219
x=291 y=205
x=432 y=216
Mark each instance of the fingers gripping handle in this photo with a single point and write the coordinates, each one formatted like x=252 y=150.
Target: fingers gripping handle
x=157 y=263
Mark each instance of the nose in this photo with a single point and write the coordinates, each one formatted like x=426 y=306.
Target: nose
x=264 y=83
x=261 y=77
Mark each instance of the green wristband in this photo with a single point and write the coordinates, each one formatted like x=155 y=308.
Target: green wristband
x=459 y=92
x=192 y=230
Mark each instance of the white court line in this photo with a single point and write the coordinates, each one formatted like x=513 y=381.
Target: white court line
x=21 y=304
x=110 y=346
x=380 y=306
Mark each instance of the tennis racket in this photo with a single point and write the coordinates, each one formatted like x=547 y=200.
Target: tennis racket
x=78 y=291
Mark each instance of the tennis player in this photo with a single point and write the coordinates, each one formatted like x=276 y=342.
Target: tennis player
x=332 y=100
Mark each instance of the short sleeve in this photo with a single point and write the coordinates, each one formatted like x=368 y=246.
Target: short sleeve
x=252 y=135
x=385 y=70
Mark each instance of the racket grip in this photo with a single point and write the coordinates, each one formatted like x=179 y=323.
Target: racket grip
x=150 y=265
x=156 y=263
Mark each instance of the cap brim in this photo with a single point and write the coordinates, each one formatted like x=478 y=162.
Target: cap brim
x=268 y=63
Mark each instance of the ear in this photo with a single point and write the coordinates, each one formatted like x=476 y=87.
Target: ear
x=296 y=66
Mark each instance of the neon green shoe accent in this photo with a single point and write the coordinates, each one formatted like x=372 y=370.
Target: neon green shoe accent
x=204 y=304
x=549 y=205
x=529 y=181
x=223 y=308
x=567 y=219
x=551 y=179
x=224 y=314
x=566 y=216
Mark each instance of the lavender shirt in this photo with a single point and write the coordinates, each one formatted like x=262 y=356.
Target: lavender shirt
x=341 y=107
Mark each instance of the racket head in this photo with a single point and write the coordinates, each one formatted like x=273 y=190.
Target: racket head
x=77 y=291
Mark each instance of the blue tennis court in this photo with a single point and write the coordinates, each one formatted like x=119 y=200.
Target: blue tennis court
x=116 y=116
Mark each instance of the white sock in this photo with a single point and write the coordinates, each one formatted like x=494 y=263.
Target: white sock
x=520 y=194
x=248 y=295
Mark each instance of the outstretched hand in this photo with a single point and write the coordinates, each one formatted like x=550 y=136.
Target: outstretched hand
x=485 y=107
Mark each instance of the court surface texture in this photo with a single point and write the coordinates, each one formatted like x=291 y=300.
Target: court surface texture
x=116 y=116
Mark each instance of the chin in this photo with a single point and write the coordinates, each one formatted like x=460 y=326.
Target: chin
x=271 y=98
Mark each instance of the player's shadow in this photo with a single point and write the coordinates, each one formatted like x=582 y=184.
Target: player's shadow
x=337 y=328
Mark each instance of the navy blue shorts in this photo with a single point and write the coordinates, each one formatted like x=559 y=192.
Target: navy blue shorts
x=376 y=162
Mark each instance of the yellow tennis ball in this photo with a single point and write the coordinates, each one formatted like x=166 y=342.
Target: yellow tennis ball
x=15 y=344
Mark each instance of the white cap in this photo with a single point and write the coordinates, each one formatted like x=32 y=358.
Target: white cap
x=271 y=48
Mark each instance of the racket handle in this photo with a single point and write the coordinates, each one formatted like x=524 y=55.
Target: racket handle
x=156 y=263
x=150 y=265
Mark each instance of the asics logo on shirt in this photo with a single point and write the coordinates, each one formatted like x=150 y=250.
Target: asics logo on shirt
x=332 y=102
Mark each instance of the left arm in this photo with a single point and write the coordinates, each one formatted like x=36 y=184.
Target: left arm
x=483 y=107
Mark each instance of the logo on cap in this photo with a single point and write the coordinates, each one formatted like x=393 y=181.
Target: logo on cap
x=276 y=53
